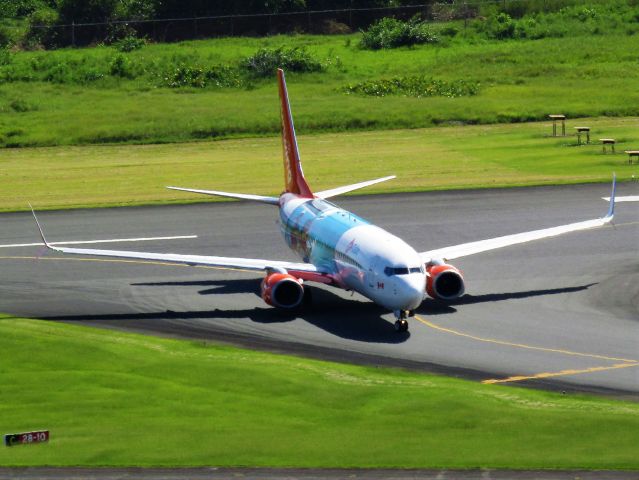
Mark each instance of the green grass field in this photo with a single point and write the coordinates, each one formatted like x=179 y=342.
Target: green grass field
x=117 y=399
x=423 y=159
x=521 y=80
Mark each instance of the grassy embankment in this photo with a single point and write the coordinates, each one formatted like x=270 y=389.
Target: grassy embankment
x=44 y=102
x=100 y=95
x=423 y=159
x=121 y=399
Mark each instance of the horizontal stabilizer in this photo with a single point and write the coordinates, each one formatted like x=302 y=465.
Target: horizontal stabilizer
x=242 y=196
x=349 y=188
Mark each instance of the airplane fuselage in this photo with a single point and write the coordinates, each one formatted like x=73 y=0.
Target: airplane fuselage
x=359 y=255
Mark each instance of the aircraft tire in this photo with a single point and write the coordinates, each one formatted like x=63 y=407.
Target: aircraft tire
x=401 y=326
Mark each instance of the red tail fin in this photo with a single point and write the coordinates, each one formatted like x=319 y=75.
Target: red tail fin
x=293 y=174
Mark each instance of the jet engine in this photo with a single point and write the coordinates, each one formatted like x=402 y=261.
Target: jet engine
x=282 y=290
x=444 y=282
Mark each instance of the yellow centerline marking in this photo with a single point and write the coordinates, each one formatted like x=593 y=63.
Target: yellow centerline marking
x=519 y=378
x=522 y=345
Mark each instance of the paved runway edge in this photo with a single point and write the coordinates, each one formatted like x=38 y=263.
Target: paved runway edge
x=282 y=347
x=213 y=473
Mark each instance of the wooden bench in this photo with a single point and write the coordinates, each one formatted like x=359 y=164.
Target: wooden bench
x=554 y=119
x=632 y=153
x=581 y=130
x=607 y=141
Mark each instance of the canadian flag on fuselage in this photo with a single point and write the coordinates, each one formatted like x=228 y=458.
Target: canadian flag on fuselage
x=294 y=180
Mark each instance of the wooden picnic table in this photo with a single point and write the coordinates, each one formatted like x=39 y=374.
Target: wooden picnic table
x=607 y=141
x=632 y=153
x=581 y=130
x=554 y=119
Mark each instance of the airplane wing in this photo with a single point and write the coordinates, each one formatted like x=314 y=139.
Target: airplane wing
x=305 y=271
x=471 y=248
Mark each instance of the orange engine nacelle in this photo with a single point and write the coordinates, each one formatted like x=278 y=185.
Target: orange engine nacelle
x=444 y=282
x=282 y=290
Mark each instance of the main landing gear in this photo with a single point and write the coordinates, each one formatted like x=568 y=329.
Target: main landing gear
x=401 y=325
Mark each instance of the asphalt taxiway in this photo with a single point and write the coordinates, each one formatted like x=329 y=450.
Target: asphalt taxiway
x=557 y=313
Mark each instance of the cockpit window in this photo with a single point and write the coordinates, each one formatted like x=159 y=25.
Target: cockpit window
x=390 y=271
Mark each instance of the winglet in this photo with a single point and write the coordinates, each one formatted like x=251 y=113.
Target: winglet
x=611 y=210
x=44 y=240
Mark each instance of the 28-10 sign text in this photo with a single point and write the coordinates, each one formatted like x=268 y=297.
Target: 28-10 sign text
x=26 y=438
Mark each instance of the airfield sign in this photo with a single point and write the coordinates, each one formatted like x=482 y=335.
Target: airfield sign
x=26 y=438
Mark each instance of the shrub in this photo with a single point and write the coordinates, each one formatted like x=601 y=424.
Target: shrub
x=92 y=75
x=414 y=86
x=121 y=67
x=5 y=36
x=224 y=76
x=186 y=76
x=449 y=31
x=5 y=56
x=42 y=31
x=266 y=61
x=116 y=32
x=199 y=77
x=18 y=8
x=129 y=43
x=586 y=14
x=392 y=33
x=59 y=73
x=530 y=28
x=500 y=26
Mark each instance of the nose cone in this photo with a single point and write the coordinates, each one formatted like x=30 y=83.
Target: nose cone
x=410 y=291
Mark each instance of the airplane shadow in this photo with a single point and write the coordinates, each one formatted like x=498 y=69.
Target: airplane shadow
x=218 y=286
x=439 y=307
x=351 y=319
x=342 y=317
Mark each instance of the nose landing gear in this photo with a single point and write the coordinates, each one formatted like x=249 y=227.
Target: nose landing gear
x=401 y=325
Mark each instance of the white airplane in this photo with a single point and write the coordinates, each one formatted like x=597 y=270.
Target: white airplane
x=339 y=248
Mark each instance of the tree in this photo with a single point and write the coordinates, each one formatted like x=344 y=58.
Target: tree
x=87 y=11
